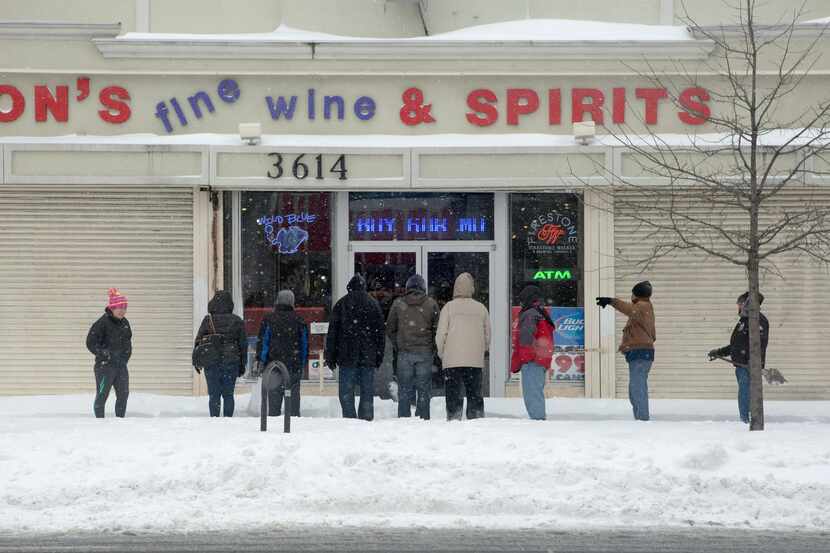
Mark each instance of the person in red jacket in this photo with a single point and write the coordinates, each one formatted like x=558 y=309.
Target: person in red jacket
x=533 y=350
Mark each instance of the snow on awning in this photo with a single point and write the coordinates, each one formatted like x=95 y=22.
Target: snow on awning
x=524 y=39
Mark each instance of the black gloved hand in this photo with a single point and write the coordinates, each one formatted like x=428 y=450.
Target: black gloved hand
x=713 y=355
x=602 y=302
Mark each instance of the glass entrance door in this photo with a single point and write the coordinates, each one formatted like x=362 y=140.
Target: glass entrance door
x=386 y=267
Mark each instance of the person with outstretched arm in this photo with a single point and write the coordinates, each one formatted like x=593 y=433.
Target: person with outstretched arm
x=637 y=344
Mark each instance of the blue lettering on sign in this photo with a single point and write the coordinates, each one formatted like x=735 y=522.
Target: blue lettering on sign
x=420 y=225
x=171 y=111
x=288 y=239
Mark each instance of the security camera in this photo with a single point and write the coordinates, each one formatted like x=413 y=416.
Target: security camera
x=250 y=133
x=584 y=132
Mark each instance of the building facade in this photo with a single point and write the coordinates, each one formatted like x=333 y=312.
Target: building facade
x=397 y=137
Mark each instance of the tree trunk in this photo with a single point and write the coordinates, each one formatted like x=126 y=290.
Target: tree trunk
x=756 y=386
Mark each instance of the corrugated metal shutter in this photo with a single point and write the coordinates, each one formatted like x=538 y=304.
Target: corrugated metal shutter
x=695 y=308
x=60 y=250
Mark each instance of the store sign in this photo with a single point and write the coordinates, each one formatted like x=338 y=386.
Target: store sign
x=425 y=105
x=420 y=225
x=569 y=343
x=287 y=239
x=301 y=170
x=552 y=274
x=553 y=233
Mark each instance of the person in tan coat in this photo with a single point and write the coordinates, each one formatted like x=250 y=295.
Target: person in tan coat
x=637 y=343
x=462 y=339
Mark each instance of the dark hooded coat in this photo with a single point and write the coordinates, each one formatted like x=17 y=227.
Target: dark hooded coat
x=355 y=338
x=230 y=326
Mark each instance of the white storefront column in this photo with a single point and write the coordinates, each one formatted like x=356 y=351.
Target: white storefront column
x=202 y=223
x=500 y=301
x=599 y=281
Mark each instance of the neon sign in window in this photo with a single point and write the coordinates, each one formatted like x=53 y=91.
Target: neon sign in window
x=287 y=239
x=420 y=216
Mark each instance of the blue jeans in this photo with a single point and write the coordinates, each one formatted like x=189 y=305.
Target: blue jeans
x=414 y=373
x=742 y=374
x=533 y=390
x=639 y=365
x=349 y=378
x=220 y=382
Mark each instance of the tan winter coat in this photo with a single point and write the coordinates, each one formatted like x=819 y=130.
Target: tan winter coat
x=639 y=332
x=463 y=334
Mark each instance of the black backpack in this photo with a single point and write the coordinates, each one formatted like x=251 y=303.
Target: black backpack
x=208 y=352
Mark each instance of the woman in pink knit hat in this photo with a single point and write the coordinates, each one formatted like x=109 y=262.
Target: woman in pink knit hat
x=110 y=341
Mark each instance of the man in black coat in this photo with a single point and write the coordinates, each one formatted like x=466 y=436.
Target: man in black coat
x=283 y=336
x=110 y=341
x=738 y=351
x=355 y=344
x=221 y=377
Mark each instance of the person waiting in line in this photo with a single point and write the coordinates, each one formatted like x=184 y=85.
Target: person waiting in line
x=232 y=354
x=738 y=351
x=533 y=350
x=462 y=340
x=110 y=341
x=411 y=327
x=638 y=337
x=355 y=345
x=283 y=336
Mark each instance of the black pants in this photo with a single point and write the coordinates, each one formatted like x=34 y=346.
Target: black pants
x=275 y=400
x=221 y=382
x=471 y=377
x=106 y=379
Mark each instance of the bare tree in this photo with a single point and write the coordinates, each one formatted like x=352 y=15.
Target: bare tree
x=761 y=140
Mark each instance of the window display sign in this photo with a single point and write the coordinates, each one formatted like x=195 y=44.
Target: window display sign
x=420 y=216
x=568 y=342
x=287 y=239
x=551 y=274
x=552 y=232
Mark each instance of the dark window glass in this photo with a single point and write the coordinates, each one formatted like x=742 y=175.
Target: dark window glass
x=286 y=243
x=546 y=250
x=420 y=216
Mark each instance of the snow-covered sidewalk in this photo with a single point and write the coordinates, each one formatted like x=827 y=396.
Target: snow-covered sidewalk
x=170 y=467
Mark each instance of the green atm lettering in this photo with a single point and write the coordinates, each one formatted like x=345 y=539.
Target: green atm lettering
x=553 y=275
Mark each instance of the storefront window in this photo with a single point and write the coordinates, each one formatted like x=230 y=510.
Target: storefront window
x=227 y=240
x=420 y=216
x=286 y=243
x=546 y=250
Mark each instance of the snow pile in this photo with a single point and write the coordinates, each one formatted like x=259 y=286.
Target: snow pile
x=524 y=30
x=169 y=467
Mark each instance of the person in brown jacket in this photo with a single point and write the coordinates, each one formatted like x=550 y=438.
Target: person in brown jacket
x=637 y=343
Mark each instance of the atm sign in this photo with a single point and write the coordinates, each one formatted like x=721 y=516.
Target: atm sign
x=553 y=274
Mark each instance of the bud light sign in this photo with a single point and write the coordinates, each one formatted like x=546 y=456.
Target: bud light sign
x=570 y=326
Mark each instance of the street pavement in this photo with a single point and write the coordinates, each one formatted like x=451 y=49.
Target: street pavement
x=367 y=540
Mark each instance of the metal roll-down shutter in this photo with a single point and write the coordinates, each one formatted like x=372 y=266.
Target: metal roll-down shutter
x=694 y=302
x=60 y=250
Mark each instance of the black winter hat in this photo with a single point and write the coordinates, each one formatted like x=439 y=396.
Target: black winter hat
x=642 y=289
x=416 y=282
x=745 y=296
x=530 y=294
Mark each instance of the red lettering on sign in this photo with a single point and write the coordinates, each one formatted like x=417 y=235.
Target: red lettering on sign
x=114 y=99
x=554 y=106
x=579 y=108
x=618 y=110
x=520 y=101
x=550 y=233
x=484 y=113
x=652 y=97
x=46 y=103
x=18 y=103
x=692 y=100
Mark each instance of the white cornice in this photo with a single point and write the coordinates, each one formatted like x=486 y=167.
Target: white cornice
x=203 y=49
x=57 y=30
x=391 y=49
x=514 y=50
x=810 y=29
